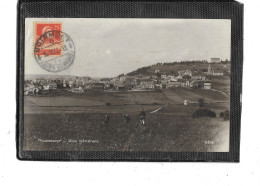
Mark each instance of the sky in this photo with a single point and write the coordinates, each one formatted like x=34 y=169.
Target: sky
x=109 y=47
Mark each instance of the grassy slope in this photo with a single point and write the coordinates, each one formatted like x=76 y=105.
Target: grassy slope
x=170 y=129
x=166 y=133
x=121 y=101
x=175 y=67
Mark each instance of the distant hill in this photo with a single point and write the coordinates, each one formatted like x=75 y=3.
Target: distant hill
x=174 y=67
x=165 y=68
x=49 y=76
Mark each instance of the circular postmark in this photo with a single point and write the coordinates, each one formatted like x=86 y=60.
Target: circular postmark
x=54 y=51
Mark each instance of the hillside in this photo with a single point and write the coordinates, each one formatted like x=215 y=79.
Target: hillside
x=50 y=76
x=173 y=68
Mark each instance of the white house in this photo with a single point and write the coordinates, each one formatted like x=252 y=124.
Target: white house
x=215 y=60
x=163 y=76
x=207 y=86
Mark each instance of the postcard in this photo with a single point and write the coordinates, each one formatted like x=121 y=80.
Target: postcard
x=127 y=85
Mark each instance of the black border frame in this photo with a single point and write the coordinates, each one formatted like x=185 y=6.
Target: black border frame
x=211 y=9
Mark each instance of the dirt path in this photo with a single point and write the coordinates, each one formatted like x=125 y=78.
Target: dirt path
x=156 y=110
x=220 y=92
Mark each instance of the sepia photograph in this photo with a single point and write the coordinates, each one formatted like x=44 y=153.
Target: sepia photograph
x=152 y=85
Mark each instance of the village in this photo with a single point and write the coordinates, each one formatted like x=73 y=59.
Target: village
x=153 y=81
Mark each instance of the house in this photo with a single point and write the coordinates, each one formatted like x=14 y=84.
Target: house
x=163 y=76
x=109 y=85
x=87 y=86
x=29 y=88
x=157 y=86
x=130 y=80
x=198 y=77
x=115 y=79
x=172 y=78
x=164 y=83
x=156 y=76
x=122 y=78
x=77 y=90
x=53 y=86
x=146 y=77
x=215 y=60
x=71 y=83
x=120 y=87
x=184 y=83
x=128 y=86
x=209 y=72
x=64 y=83
x=207 y=86
x=137 y=81
x=59 y=84
x=45 y=85
x=147 y=84
x=194 y=84
x=185 y=73
x=173 y=84
x=156 y=71
x=97 y=87
x=217 y=73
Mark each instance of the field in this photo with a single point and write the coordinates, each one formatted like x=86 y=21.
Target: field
x=68 y=121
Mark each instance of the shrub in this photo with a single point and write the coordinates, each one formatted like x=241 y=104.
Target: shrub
x=201 y=102
x=204 y=113
x=108 y=104
x=225 y=115
x=137 y=103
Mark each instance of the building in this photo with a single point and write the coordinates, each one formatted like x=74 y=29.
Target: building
x=163 y=76
x=207 y=86
x=87 y=86
x=164 y=84
x=184 y=83
x=137 y=82
x=71 y=83
x=45 y=85
x=198 y=77
x=194 y=84
x=53 y=86
x=172 y=78
x=156 y=76
x=217 y=73
x=122 y=78
x=209 y=72
x=64 y=84
x=184 y=73
x=215 y=60
x=173 y=84
x=147 y=84
x=77 y=90
x=120 y=87
x=97 y=86
x=146 y=77
x=157 y=86
x=115 y=79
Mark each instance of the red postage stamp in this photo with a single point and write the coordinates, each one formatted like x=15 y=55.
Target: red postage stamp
x=46 y=37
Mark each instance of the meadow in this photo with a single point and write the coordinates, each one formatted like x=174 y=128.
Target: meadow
x=77 y=121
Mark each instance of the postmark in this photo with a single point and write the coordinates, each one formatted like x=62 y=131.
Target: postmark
x=54 y=50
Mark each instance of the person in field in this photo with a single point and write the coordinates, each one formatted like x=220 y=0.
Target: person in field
x=107 y=118
x=127 y=118
x=142 y=116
